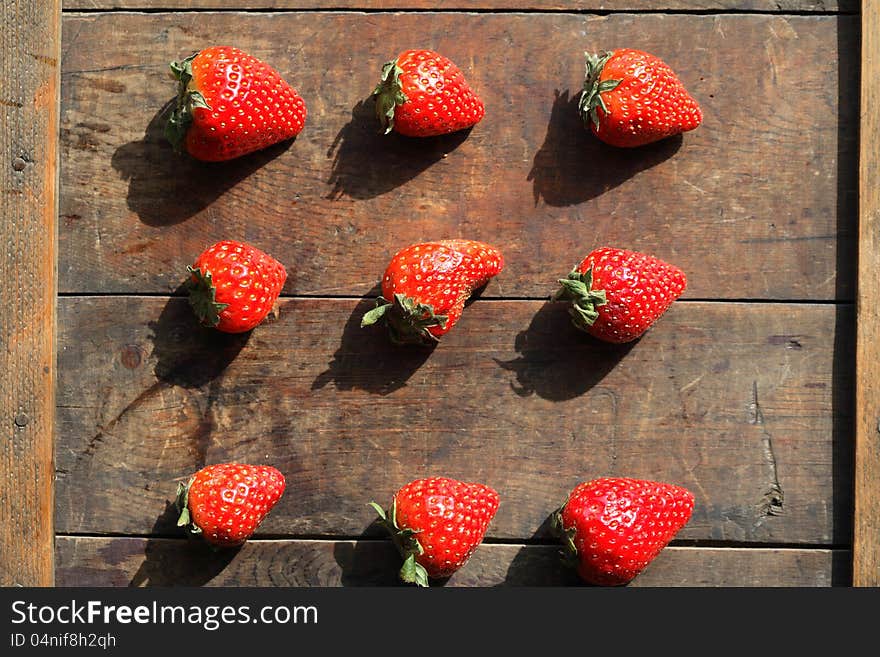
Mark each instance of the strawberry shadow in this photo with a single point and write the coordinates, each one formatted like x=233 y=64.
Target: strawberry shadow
x=369 y=560
x=539 y=563
x=178 y=561
x=573 y=166
x=558 y=362
x=367 y=163
x=188 y=354
x=367 y=563
x=194 y=357
x=166 y=188
x=372 y=560
x=367 y=359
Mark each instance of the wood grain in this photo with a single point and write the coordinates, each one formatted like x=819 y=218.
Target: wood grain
x=29 y=94
x=335 y=204
x=746 y=405
x=163 y=562
x=496 y=5
x=866 y=546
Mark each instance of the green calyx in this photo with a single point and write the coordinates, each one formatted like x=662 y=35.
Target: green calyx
x=569 y=552
x=202 y=297
x=182 y=503
x=406 y=543
x=408 y=320
x=578 y=289
x=187 y=100
x=388 y=94
x=591 y=97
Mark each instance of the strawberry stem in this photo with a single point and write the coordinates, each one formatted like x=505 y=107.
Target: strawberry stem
x=182 y=503
x=408 y=320
x=569 y=552
x=187 y=100
x=411 y=572
x=202 y=297
x=591 y=97
x=389 y=94
x=578 y=289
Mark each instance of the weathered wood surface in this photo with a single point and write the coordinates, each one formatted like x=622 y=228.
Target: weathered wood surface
x=866 y=540
x=29 y=96
x=167 y=562
x=734 y=401
x=771 y=173
x=749 y=405
x=496 y=5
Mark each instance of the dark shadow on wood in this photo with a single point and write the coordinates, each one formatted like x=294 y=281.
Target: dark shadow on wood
x=191 y=356
x=368 y=561
x=179 y=563
x=573 y=166
x=367 y=163
x=165 y=188
x=556 y=360
x=367 y=359
x=371 y=562
x=536 y=565
x=844 y=365
x=841 y=568
x=540 y=565
x=188 y=354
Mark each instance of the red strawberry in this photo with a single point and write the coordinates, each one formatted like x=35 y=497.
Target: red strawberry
x=631 y=98
x=612 y=528
x=226 y=503
x=423 y=94
x=230 y=104
x=426 y=285
x=616 y=295
x=234 y=285
x=436 y=524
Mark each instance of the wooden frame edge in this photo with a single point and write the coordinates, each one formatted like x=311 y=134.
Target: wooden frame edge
x=866 y=480
x=30 y=93
x=32 y=56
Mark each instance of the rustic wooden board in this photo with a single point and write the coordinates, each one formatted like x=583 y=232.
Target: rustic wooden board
x=163 y=562
x=29 y=93
x=338 y=201
x=866 y=545
x=748 y=404
x=496 y=5
x=730 y=400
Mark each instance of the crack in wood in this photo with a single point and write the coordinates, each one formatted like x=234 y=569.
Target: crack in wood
x=771 y=503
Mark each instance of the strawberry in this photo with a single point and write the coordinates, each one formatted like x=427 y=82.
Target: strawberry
x=230 y=104
x=631 y=98
x=225 y=503
x=233 y=286
x=616 y=295
x=426 y=285
x=613 y=527
x=423 y=94
x=436 y=524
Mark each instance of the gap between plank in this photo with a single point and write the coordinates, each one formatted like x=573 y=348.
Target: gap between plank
x=354 y=297
x=456 y=10
x=328 y=538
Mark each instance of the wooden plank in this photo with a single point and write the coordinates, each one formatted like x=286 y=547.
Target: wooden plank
x=29 y=95
x=163 y=562
x=781 y=6
x=336 y=203
x=866 y=546
x=730 y=400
